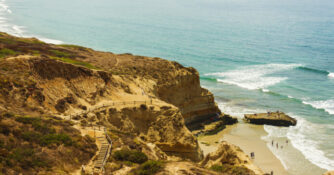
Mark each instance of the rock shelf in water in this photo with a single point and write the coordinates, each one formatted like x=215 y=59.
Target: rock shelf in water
x=270 y=118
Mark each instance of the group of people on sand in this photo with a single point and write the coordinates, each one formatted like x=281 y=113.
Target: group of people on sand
x=277 y=146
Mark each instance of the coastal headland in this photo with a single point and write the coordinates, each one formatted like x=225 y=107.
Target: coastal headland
x=100 y=112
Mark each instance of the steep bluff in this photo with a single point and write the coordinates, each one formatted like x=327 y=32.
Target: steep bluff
x=105 y=88
x=146 y=104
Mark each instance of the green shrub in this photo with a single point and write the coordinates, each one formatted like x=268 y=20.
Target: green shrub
x=4 y=129
x=37 y=124
x=132 y=156
x=6 y=52
x=233 y=170
x=27 y=120
x=138 y=157
x=217 y=168
x=31 y=136
x=21 y=150
x=27 y=158
x=43 y=127
x=59 y=53
x=148 y=168
x=58 y=139
x=71 y=61
x=73 y=46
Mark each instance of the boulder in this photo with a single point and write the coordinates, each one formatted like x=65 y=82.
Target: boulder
x=270 y=118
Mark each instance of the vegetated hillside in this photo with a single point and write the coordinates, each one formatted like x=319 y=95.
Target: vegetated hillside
x=143 y=102
x=32 y=144
x=67 y=80
x=166 y=80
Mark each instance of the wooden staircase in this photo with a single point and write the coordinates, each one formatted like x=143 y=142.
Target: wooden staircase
x=103 y=154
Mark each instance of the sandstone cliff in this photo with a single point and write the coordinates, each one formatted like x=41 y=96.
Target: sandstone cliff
x=231 y=160
x=145 y=103
x=105 y=88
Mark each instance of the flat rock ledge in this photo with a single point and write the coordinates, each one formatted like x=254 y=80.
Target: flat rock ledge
x=270 y=118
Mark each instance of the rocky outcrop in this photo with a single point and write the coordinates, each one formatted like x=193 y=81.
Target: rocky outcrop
x=161 y=126
x=213 y=125
x=232 y=158
x=182 y=168
x=133 y=96
x=102 y=88
x=271 y=118
x=329 y=173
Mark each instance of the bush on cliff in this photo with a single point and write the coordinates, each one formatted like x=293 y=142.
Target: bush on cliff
x=131 y=156
x=6 y=52
x=231 y=169
x=30 y=145
x=76 y=62
x=149 y=168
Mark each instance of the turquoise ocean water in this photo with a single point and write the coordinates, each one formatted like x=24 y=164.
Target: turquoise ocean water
x=254 y=55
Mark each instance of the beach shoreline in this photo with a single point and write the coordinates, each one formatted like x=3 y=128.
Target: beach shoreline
x=236 y=134
x=269 y=155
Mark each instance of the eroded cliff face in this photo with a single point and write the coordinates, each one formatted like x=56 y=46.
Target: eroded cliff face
x=145 y=103
x=232 y=160
x=148 y=97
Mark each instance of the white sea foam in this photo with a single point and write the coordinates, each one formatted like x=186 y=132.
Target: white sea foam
x=304 y=138
x=327 y=105
x=254 y=77
x=4 y=7
x=301 y=136
x=52 y=41
x=331 y=75
x=16 y=30
x=265 y=90
x=236 y=111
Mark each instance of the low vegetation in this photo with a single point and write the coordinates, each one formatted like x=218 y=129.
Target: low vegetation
x=72 y=61
x=232 y=170
x=61 y=54
x=7 y=52
x=131 y=156
x=13 y=46
x=73 y=46
x=149 y=168
x=41 y=144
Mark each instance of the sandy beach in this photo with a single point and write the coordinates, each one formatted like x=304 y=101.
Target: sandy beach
x=248 y=138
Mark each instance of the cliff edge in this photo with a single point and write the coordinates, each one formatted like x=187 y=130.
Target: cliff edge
x=144 y=103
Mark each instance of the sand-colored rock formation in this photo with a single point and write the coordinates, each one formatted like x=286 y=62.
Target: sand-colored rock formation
x=271 y=118
x=146 y=102
x=182 y=168
x=329 y=173
x=232 y=159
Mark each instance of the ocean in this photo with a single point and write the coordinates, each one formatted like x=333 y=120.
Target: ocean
x=254 y=55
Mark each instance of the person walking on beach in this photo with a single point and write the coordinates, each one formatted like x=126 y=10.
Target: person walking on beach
x=272 y=143
x=252 y=155
x=277 y=145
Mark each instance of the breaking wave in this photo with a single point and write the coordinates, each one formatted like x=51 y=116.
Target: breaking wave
x=327 y=105
x=331 y=75
x=303 y=138
x=16 y=30
x=254 y=77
